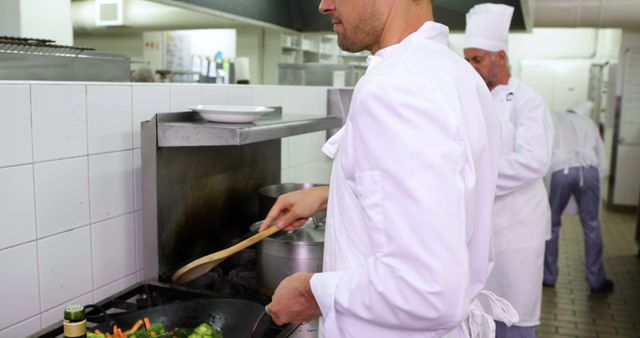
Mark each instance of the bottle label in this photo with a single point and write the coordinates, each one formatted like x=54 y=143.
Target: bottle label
x=76 y=329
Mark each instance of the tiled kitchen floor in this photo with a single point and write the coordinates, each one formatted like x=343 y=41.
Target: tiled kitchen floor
x=568 y=310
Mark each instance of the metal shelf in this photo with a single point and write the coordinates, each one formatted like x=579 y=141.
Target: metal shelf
x=188 y=129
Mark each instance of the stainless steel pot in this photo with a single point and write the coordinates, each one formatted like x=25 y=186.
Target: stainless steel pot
x=286 y=253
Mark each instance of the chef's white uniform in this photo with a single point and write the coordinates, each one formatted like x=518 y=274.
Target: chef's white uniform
x=521 y=214
x=407 y=242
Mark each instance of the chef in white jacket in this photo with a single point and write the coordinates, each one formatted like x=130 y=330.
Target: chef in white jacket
x=578 y=166
x=521 y=215
x=407 y=242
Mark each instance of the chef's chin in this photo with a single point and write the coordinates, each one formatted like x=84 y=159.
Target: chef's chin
x=348 y=45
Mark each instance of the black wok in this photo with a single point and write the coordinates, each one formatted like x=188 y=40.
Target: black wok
x=235 y=318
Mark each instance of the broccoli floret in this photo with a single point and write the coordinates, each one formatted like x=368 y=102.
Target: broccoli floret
x=141 y=334
x=93 y=335
x=158 y=328
x=203 y=329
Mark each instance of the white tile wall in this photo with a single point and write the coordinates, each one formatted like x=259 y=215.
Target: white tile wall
x=22 y=329
x=64 y=267
x=110 y=118
x=18 y=224
x=111 y=184
x=137 y=179
x=268 y=96
x=56 y=313
x=239 y=94
x=59 y=117
x=67 y=188
x=312 y=172
x=19 y=285
x=114 y=287
x=62 y=195
x=306 y=148
x=15 y=129
x=215 y=95
x=113 y=243
x=148 y=100
x=315 y=100
x=183 y=96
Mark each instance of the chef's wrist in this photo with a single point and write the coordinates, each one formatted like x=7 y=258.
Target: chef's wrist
x=308 y=294
x=323 y=192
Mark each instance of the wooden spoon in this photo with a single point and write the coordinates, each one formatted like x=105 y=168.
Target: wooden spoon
x=201 y=265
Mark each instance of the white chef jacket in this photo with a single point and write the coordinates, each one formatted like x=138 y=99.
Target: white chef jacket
x=577 y=143
x=407 y=240
x=521 y=213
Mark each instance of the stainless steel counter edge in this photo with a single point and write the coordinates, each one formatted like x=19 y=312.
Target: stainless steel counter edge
x=188 y=130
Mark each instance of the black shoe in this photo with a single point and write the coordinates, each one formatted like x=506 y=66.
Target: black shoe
x=548 y=285
x=606 y=287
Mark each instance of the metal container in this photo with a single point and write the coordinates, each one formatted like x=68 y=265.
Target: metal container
x=269 y=194
x=286 y=253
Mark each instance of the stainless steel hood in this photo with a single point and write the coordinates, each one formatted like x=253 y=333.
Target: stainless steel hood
x=302 y=15
x=43 y=60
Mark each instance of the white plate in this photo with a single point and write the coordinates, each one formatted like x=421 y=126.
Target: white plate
x=230 y=114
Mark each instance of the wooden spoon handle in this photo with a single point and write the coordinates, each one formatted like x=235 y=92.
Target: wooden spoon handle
x=254 y=239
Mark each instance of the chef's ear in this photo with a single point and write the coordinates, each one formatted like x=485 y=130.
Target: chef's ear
x=502 y=57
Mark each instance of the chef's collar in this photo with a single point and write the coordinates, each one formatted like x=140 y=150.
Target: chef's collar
x=430 y=30
x=506 y=88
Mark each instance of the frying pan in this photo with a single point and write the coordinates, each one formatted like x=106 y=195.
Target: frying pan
x=235 y=318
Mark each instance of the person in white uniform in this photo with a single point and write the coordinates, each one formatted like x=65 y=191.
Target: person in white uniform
x=408 y=231
x=521 y=215
x=577 y=167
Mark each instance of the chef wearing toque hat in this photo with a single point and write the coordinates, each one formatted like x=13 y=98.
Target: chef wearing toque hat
x=521 y=214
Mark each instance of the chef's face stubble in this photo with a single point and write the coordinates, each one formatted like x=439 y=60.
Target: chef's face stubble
x=359 y=24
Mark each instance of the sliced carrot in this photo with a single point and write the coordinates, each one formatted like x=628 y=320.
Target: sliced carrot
x=136 y=326
x=115 y=331
x=98 y=332
x=108 y=335
x=147 y=324
x=153 y=334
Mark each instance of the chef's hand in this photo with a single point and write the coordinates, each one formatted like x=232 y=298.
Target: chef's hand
x=293 y=300
x=292 y=210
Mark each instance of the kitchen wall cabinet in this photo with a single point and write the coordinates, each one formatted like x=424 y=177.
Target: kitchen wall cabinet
x=294 y=47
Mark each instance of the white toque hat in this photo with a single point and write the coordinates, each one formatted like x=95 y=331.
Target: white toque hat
x=488 y=27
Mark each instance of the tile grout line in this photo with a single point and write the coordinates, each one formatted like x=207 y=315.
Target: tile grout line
x=35 y=206
x=68 y=230
x=86 y=88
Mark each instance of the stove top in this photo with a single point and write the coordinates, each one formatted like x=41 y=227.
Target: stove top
x=235 y=278
x=145 y=295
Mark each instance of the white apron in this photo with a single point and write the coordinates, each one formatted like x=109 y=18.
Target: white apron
x=521 y=225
